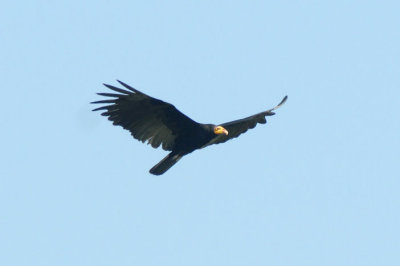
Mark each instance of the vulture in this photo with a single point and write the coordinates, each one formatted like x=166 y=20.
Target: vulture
x=161 y=124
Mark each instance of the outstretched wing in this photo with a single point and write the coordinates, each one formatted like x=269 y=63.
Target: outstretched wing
x=237 y=127
x=148 y=119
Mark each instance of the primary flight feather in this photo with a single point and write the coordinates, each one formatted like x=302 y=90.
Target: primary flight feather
x=161 y=124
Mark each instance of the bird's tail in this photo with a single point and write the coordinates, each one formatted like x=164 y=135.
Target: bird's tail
x=165 y=163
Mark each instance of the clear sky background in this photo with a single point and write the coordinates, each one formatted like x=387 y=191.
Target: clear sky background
x=318 y=185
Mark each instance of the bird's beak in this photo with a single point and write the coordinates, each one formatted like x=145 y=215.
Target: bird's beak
x=220 y=130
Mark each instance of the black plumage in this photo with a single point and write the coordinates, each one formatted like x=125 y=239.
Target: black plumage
x=161 y=124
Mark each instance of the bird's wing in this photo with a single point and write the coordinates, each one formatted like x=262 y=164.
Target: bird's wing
x=237 y=127
x=148 y=119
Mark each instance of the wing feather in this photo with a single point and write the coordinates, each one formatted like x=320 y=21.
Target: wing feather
x=238 y=127
x=147 y=118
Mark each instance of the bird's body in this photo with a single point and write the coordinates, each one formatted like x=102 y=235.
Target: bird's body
x=161 y=124
x=195 y=139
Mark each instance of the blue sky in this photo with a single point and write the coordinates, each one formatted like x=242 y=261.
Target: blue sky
x=318 y=185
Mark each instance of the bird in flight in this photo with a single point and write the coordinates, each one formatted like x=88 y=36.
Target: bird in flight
x=161 y=124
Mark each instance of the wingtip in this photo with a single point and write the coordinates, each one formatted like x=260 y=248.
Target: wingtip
x=127 y=86
x=123 y=84
x=283 y=100
x=281 y=103
x=107 y=85
x=269 y=112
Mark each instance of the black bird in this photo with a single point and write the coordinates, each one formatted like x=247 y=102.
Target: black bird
x=161 y=124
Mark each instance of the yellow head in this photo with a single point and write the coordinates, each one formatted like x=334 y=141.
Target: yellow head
x=220 y=130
